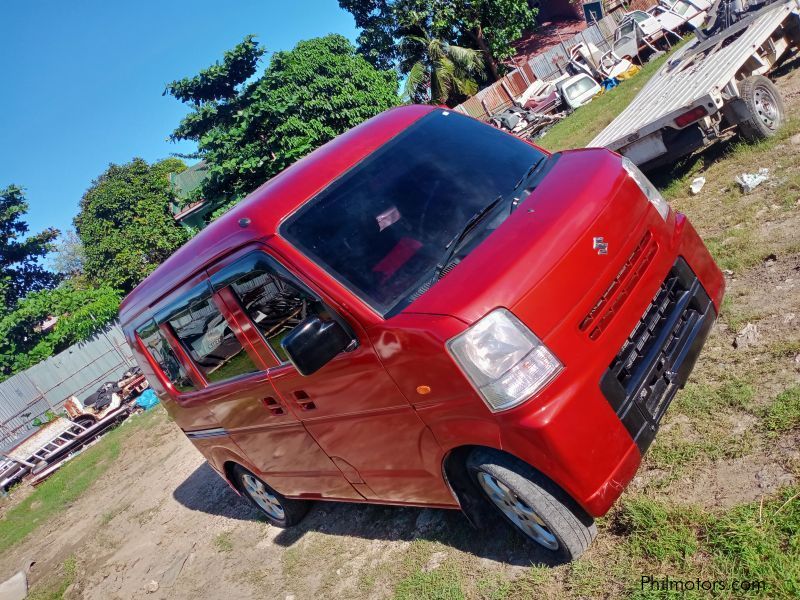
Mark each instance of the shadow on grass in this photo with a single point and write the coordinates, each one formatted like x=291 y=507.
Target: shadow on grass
x=662 y=177
x=206 y=492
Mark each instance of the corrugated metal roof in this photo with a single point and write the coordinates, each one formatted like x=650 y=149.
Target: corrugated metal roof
x=185 y=182
x=16 y=393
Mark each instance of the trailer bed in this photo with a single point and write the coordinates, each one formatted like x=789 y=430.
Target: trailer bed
x=695 y=76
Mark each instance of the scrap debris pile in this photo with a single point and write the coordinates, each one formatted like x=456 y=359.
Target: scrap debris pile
x=640 y=36
x=58 y=440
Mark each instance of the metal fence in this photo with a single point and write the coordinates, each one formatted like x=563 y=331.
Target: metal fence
x=79 y=370
x=544 y=66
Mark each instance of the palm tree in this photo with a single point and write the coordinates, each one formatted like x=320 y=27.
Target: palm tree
x=439 y=72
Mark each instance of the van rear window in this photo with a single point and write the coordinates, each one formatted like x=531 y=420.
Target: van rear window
x=159 y=350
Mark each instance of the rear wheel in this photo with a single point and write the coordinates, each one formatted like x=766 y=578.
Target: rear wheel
x=765 y=107
x=535 y=506
x=279 y=510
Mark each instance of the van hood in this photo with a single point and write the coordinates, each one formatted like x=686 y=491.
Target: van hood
x=571 y=233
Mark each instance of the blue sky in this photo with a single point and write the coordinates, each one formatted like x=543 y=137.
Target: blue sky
x=83 y=81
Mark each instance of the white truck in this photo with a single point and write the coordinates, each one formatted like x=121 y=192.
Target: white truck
x=710 y=88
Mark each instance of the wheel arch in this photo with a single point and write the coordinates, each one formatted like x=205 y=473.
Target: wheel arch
x=85 y=417
x=467 y=494
x=223 y=459
x=227 y=472
x=457 y=478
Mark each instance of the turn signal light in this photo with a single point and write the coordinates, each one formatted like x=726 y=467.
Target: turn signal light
x=698 y=112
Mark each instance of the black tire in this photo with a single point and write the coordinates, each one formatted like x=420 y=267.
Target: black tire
x=765 y=107
x=561 y=518
x=293 y=511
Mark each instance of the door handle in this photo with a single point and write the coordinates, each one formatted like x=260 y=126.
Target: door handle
x=272 y=405
x=304 y=401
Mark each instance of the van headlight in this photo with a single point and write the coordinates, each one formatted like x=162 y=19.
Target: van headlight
x=648 y=189
x=503 y=359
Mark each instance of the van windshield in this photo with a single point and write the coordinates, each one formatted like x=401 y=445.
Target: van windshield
x=383 y=227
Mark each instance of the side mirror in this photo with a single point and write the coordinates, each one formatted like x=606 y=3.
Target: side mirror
x=314 y=343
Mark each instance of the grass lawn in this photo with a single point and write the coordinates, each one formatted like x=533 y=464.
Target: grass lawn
x=58 y=583
x=753 y=545
x=66 y=485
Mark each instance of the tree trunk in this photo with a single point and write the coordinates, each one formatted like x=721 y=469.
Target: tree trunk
x=480 y=40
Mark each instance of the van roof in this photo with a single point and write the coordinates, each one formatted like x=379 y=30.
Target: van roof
x=268 y=205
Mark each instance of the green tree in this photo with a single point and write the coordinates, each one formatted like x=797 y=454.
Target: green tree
x=80 y=314
x=439 y=72
x=249 y=130
x=125 y=224
x=69 y=255
x=20 y=269
x=220 y=81
x=489 y=26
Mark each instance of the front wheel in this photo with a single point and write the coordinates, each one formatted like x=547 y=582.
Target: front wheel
x=535 y=506
x=764 y=106
x=279 y=510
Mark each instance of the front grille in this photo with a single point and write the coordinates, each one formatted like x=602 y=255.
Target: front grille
x=615 y=295
x=660 y=352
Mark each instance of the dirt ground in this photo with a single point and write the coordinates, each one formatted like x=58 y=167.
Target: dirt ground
x=162 y=524
x=162 y=514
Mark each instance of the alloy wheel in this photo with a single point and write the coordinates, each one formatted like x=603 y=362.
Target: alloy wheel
x=517 y=511
x=256 y=489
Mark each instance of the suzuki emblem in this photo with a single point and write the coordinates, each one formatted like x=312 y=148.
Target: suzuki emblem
x=600 y=245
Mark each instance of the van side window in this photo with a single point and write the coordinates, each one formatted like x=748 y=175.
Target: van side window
x=157 y=346
x=210 y=342
x=274 y=305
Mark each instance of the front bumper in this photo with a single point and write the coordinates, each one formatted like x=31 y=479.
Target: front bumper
x=586 y=431
x=658 y=356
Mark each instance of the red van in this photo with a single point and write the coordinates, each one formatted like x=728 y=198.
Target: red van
x=427 y=311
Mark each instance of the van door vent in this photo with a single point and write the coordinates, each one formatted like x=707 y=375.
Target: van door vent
x=304 y=401
x=273 y=406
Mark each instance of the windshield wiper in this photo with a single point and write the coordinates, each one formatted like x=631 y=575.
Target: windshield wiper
x=453 y=245
x=533 y=176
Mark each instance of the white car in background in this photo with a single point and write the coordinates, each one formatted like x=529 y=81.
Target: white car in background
x=677 y=15
x=578 y=90
x=565 y=92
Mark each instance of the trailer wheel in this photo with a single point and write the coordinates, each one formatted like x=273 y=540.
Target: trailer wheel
x=533 y=504
x=765 y=106
x=279 y=510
